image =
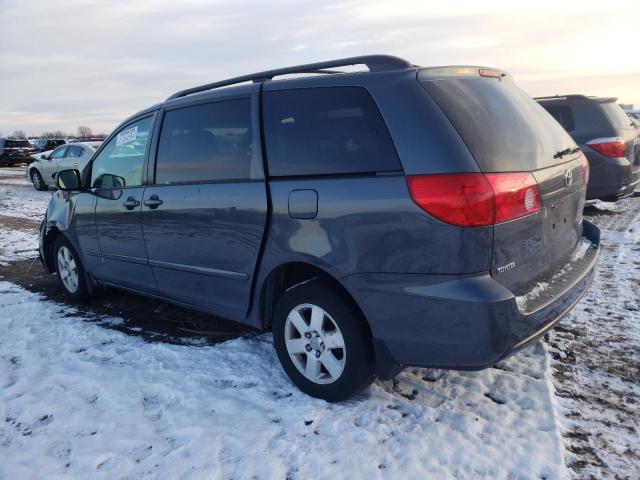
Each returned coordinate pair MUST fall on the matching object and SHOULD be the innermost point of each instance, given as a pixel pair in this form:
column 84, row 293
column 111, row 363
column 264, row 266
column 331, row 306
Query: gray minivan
column 372, row 220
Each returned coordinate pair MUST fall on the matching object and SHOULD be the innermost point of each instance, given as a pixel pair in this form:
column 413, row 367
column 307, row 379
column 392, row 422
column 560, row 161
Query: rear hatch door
column 507, row 131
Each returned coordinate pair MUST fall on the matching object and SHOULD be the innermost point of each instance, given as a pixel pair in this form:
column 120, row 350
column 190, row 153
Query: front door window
column 120, row 161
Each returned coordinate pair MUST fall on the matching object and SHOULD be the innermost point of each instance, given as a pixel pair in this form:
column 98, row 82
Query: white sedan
column 42, row 172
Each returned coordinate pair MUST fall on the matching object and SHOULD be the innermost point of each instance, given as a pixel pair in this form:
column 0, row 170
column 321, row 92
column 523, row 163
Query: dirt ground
column 169, row 323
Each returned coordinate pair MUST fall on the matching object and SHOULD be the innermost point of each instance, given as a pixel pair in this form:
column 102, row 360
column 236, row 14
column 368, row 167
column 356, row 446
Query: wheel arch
column 48, row 241
column 290, row 274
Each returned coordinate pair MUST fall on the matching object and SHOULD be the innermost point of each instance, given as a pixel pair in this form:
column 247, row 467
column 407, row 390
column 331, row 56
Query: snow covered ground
column 19, row 199
column 21, row 210
column 81, row 399
column 596, row 355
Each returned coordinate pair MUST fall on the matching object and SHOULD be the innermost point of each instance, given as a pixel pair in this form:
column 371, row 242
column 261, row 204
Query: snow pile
column 81, row 400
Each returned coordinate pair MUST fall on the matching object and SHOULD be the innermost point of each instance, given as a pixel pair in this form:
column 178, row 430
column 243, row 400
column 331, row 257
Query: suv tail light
column 476, row 199
column 609, row 147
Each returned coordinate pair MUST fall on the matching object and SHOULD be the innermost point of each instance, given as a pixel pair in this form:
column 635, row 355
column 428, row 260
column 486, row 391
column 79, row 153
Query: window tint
column 563, row 115
column 331, row 130
column 74, row 152
column 122, row 158
column 206, row 142
column 59, row 153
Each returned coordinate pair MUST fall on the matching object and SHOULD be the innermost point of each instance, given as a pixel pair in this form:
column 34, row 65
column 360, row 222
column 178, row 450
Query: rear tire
column 37, row 181
column 71, row 273
column 322, row 341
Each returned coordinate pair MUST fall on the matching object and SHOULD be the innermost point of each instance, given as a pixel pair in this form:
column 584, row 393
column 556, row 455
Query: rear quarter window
column 323, row 131
column 563, row 115
column 616, row 115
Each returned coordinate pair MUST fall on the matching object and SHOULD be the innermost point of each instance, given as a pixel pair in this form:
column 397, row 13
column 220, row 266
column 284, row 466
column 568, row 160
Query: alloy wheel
column 67, row 269
column 315, row 343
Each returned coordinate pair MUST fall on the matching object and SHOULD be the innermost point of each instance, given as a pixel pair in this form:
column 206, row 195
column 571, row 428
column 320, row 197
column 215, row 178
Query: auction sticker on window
column 126, row 136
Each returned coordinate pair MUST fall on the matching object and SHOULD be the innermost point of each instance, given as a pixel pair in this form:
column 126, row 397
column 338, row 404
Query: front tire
column 71, row 274
column 322, row 341
column 37, row 180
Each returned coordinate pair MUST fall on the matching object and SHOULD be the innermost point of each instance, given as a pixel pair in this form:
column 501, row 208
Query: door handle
column 131, row 203
column 153, row 201
column 76, row 164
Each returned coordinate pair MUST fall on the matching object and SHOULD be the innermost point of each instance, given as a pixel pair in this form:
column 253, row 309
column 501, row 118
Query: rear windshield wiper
column 566, row 151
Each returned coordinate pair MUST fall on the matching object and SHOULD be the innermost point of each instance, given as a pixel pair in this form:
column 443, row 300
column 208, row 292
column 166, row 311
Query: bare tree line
column 81, row 131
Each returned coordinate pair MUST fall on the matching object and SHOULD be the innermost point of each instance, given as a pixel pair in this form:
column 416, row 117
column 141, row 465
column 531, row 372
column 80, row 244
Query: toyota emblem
column 568, row 178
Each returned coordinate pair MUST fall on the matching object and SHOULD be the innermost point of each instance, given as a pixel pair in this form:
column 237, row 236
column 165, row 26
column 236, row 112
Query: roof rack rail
column 375, row 63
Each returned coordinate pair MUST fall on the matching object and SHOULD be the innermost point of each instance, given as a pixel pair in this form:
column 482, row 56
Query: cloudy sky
column 66, row 63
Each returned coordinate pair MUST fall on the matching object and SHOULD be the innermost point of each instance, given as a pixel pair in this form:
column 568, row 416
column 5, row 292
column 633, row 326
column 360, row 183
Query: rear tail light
column 516, row 195
column 476, row 199
column 585, row 169
column 609, row 147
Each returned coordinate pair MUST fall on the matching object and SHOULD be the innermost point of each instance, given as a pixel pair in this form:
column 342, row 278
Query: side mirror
column 69, row 180
column 44, row 157
column 107, row 180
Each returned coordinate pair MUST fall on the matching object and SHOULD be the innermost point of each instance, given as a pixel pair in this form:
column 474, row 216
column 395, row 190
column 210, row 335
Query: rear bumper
column 611, row 177
column 462, row 322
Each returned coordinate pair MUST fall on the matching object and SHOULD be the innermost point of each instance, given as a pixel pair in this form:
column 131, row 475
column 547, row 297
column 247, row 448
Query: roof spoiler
column 461, row 71
column 577, row 96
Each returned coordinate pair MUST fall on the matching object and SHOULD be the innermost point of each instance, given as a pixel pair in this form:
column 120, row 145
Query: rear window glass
column 563, row 114
column 616, row 115
column 320, row 131
column 206, row 143
column 503, row 127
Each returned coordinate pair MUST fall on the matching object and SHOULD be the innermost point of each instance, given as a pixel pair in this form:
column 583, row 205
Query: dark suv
column 371, row 220
column 606, row 136
column 14, row 151
column 46, row 144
